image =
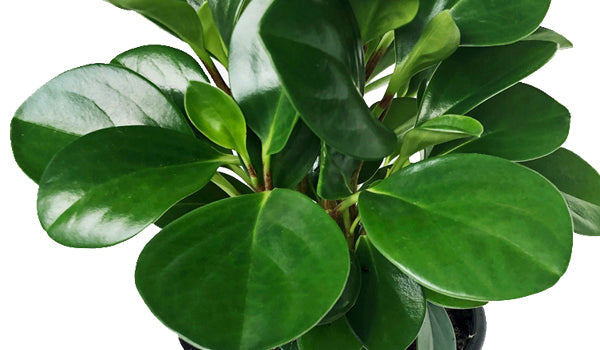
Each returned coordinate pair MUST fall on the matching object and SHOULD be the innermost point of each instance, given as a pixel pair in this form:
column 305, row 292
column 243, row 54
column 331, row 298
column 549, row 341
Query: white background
column 53, row 297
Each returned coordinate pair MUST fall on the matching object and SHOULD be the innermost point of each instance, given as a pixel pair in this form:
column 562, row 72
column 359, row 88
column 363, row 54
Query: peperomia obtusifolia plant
column 294, row 215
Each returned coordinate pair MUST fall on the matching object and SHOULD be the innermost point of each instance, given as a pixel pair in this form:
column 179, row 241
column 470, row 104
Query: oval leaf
column 450, row 302
column 213, row 42
column 500, row 226
column 437, row 332
column 579, row 184
column 472, row 75
column 376, row 18
column 83, row 100
column 109, row 185
column 255, row 85
column 299, row 36
column 337, row 335
column 247, row 264
column 168, row 68
column 519, row 124
column 390, row 308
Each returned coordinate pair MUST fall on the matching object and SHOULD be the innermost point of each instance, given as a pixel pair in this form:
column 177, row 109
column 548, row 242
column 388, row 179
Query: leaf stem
column 216, row 76
column 381, row 49
column 255, row 182
column 225, row 185
column 267, row 178
column 343, row 205
column 240, row 172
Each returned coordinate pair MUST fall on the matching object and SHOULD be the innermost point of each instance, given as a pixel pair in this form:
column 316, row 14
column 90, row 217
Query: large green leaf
column 168, row 68
column 450, row 302
column 390, row 308
column 109, row 185
column 226, row 13
column 346, row 301
column 519, row 124
column 334, row 336
column 255, row 85
column 437, row 332
column 501, row 227
column 579, row 183
column 249, row 272
column 299, row 37
column 474, row 74
column 376, row 18
column 83, row 100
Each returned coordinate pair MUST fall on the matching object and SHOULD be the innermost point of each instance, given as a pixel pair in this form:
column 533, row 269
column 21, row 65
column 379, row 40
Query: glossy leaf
column 213, row 42
column 299, row 36
column 376, row 18
column 335, row 174
column 216, row 115
column 83, row 100
column 450, row 302
column 437, row 332
column 336, row 335
column 472, row 75
column 290, row 346
column 226, row 13
column 519, row 124
column 168, row 68
column 545, row 34
column 109, row 185
column 255, row 85
column 348, row 298
column 488, row 220
column 208, row 194
column 390, row 308
column 263, row 268
column 579, row 183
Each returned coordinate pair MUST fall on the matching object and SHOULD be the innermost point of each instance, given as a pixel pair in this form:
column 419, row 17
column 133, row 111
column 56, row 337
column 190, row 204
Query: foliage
column 293, row 215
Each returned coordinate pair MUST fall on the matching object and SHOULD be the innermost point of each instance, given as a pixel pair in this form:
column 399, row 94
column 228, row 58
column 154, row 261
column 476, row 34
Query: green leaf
column 579, row 183
column 519, row 124
column 440, row 38
column 450, row 302
column 299, row 36
column 168, row 68
column 472, row 75
column 83, row 100
column 255, row 85
column 437, row 332
column 376, row 18
column 263, row 268
column 348, row 298
column 226, row 13
column 178, row 17
column 390, row 308
column 335, row 173
column 290, row 346
column 545, row 34
column 208, row 194
column 109, row 185
column 337, row 335
column 212, row 38
column 488, row 220
column 216, row 115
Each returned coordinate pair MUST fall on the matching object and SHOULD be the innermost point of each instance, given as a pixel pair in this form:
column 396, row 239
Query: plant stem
column 216, row 76
column 267, row 178
column 355, row 176
column 345, row 204
column 225, row 185
column 381, row 49
column 240, row 172
column 254, row 180
column 383, row 106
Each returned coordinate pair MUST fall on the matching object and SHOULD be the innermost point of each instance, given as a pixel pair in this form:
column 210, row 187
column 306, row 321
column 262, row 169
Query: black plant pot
column 469, row 326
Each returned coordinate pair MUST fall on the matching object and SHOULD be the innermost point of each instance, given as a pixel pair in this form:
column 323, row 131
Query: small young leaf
column 451, row 302
column 168, row 68
column 437, row 332
column 109, row 185
column 579, row 183
column 336, row 335
column 216, row 115
column 263, row 268
column 545, row 34
column 83, row 100
column 519, row 124
column 376, row 18
column 486, row 219
column 390, row 308
column 212, row 38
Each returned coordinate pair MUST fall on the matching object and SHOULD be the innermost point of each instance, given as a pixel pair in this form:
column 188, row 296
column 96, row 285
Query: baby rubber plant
column 294, row 215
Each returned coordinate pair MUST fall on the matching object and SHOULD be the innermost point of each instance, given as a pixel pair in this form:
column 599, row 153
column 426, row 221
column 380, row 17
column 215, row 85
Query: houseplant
column 329, row 184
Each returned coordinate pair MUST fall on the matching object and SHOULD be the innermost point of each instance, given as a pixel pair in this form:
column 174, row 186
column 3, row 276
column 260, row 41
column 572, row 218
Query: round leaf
column 337, row 335
column 109, row 185
column 83, row 100
column 501, row 227
column 249, row 272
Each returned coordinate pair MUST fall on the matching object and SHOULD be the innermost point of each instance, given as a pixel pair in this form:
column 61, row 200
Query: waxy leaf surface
column 299, row 36
column 579, row 183
column 437, row 332
column 390, row 308
column 109, row 185
column 474, row 74
column 451, row 302
column 263, row 268
column 226, row 13
column 255, row 84
column 486, row 219
column 519, row 124
column 213, row 42
column 168, row 68
column 376, row 18
column 335, row 173
column 336, row 335
column 349, row 295
column 83, row 100
column 545, row 34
